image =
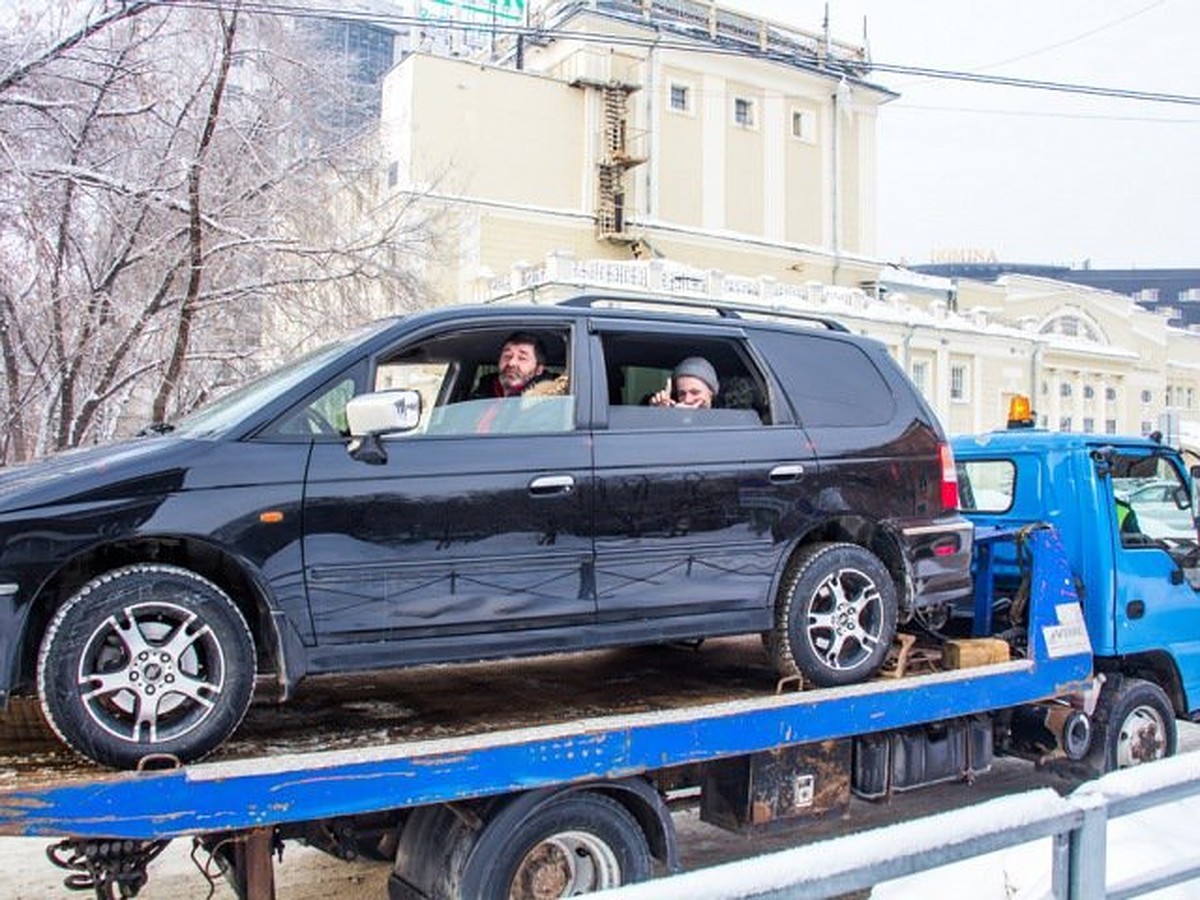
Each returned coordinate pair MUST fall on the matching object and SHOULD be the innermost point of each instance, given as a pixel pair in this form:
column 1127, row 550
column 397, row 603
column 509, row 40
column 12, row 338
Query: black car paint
column 690, row 536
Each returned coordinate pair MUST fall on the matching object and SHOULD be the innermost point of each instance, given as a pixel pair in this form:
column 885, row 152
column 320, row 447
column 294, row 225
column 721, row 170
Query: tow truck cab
column 1125, row 512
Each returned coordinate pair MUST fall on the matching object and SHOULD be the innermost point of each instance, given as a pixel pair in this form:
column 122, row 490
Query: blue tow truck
column 1079, row 648
column 1124, row 509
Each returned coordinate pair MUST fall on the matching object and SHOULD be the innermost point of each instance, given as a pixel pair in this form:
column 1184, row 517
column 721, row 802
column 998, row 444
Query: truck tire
column 575, row 842
column 1134, row 723
column 835, row 617
column 146, row 659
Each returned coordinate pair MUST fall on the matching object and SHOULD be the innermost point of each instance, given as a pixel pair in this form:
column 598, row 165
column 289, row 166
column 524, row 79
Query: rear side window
column 830, row 382
column 986, row 485
column 638, row 364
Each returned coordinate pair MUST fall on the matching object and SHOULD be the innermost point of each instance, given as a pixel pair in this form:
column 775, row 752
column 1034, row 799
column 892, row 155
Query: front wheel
column 146, row 659
column 835, row 617
column 1134, row 723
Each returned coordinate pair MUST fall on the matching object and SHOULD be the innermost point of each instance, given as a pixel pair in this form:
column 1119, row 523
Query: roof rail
column 722, row 309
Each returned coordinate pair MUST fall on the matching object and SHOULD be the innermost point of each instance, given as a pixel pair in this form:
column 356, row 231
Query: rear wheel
column 835, row 617
column 572, row 843
column 147, row 659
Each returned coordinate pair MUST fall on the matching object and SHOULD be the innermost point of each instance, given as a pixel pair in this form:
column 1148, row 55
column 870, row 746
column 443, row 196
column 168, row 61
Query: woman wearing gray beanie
column 693, row 383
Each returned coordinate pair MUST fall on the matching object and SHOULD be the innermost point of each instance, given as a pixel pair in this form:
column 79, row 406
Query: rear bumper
column 939, row 561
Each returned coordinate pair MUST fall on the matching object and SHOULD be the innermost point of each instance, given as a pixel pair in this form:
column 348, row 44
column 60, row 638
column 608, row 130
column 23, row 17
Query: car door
column 462, row 541
column 692, row 506
column 1157, row 586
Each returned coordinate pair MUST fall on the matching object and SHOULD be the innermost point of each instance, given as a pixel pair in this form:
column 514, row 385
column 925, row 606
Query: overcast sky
column 1031, row 176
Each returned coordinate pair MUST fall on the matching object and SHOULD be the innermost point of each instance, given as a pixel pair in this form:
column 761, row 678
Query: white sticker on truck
column 1069, row 637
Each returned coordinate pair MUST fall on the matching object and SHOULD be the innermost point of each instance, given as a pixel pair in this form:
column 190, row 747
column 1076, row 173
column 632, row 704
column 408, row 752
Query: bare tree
column 172, row 189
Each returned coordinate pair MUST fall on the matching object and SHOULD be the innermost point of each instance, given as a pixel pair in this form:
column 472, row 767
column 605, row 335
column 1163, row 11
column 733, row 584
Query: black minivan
column 374, row 504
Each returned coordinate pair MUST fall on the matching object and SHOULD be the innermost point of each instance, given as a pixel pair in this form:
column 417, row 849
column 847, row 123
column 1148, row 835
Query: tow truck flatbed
column 273, row 789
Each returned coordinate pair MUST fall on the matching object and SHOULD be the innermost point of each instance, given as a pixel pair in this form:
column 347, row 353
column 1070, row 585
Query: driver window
column 1153, row 502
column 458, row 377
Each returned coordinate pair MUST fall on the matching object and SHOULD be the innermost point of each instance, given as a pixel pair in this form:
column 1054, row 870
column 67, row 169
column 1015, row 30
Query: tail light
column 949, row 477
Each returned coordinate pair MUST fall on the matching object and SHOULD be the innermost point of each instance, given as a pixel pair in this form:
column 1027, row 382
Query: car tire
column 146, row 660
column 1134, row 723
column 835, row 617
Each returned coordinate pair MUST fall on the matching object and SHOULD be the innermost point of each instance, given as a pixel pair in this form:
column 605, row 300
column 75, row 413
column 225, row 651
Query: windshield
column 225, row 412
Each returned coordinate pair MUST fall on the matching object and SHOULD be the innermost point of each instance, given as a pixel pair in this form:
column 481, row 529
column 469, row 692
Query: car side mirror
column 370, row 416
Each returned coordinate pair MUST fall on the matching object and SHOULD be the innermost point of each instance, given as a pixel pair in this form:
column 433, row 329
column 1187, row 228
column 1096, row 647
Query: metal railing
column 1077, row 825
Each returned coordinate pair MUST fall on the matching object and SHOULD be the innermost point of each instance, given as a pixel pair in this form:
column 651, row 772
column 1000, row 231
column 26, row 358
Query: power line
column 1074, row 39
column 1153, row 120
column 1034, row 84
column 834, row 68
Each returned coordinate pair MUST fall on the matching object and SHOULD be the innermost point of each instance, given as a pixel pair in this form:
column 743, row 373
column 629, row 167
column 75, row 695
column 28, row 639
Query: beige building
column 673, row 146
column 646, row 144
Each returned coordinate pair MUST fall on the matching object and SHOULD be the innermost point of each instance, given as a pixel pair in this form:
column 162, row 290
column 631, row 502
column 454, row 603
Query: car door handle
column 546, row 485
column 785, row 473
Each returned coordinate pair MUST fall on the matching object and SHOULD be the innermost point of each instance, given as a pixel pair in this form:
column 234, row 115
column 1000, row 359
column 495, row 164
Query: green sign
column 510, row 12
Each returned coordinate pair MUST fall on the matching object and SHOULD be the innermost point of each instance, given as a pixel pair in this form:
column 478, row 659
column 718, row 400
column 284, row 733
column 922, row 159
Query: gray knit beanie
column 699, row 367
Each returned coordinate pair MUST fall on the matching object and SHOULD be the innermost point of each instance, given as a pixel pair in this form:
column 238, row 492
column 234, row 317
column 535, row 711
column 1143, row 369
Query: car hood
column 127, row 468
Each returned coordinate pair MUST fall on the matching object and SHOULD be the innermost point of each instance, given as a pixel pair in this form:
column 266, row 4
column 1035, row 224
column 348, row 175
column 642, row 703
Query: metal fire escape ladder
column 616, row 157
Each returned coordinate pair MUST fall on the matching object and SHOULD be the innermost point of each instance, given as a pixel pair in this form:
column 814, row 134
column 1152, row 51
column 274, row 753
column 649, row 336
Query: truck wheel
column 1134, row 723
column 147, row 659
column 576, row 842
column 835, row 617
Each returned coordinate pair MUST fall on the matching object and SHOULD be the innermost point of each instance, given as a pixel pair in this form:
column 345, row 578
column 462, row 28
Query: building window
column 1147, row 396
column 393, row 175
column 1191, row 398
column 743, row 112
column 958, row 382
column 1088, row 392
column 1064, row 389
column 681, row 98
column 1064, row 424
column 1110, row 426
column 804, row 125
column 1110, row 394
column 1089, row 424
column 920, row 376
column 1147, row 427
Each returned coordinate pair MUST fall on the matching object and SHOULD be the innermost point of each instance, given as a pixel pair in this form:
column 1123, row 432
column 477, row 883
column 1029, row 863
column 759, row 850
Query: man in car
column 521, row 365
column 693, row 384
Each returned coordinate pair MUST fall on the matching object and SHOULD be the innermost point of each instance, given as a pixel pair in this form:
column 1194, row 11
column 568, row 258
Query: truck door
column 1155, row 546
